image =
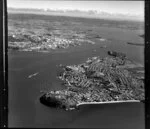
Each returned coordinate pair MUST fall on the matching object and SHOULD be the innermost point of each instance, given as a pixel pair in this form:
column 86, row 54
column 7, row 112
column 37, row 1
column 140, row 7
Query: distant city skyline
column 124, row 7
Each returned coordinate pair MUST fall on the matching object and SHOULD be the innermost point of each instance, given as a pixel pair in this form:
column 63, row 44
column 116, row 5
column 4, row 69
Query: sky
column 124, row 7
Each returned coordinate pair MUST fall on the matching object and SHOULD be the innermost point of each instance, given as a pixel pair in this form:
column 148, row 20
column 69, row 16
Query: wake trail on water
column 32, row 75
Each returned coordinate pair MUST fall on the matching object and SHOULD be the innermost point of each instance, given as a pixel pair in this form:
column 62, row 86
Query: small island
column 98, row 80
column 142, row 35
column 136, row 44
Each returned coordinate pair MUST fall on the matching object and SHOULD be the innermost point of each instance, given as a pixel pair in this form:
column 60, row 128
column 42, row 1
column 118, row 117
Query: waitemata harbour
column 75, row 61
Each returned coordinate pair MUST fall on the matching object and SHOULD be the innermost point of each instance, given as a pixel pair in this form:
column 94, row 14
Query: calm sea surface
column 25, row 110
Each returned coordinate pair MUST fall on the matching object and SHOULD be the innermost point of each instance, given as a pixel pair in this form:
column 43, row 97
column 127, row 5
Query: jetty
column 108, row 102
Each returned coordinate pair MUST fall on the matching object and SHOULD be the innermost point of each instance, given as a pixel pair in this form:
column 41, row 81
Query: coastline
column 45, row 114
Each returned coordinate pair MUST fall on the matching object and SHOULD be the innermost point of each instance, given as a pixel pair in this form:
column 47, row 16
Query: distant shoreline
column 74, row 16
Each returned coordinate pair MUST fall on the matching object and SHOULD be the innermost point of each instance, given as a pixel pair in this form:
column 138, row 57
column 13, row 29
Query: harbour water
column 25, row 110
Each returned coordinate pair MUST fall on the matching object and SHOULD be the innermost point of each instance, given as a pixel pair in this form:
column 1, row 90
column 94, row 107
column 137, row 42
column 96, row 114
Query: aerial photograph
column 76, row 64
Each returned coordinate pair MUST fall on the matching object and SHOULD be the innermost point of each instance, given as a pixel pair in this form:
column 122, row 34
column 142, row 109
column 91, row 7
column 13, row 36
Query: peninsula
column 98, row 80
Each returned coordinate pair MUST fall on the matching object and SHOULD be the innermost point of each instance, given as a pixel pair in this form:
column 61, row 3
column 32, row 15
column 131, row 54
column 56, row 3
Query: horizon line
column 57, row 9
